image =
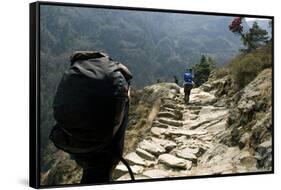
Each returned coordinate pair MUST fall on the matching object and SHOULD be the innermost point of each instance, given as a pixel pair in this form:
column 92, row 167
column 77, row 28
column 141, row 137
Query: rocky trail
column 184, row 140
column 216, row 133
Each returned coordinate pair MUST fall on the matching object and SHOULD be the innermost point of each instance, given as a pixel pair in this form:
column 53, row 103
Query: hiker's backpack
column 187, row 78
column 89, row 103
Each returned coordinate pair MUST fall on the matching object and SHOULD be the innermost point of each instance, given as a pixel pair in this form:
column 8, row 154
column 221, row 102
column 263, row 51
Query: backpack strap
column 124, row 162
column 125, row 71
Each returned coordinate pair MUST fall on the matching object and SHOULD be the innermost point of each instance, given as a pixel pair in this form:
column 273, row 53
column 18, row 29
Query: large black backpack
column 89, row 103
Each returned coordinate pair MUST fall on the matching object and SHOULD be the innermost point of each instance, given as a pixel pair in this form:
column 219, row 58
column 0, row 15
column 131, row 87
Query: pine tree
column 202, row 70
column 253, row 39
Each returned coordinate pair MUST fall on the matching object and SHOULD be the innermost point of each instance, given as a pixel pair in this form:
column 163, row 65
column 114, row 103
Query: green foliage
column 254, row 38
column 270, row 24
column 246, row 67
column 202, row 70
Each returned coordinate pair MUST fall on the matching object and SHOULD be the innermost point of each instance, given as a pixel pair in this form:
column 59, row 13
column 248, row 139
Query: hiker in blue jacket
column 187, row 84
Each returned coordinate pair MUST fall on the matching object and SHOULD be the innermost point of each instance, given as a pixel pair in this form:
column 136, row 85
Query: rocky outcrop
column 250, row 123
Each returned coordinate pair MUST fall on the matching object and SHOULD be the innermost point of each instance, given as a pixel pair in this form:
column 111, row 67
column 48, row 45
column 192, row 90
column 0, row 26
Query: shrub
column 221, row 72
column 246, row 67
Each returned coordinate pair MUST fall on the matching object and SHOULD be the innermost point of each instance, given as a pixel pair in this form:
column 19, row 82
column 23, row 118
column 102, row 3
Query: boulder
column 199, row 97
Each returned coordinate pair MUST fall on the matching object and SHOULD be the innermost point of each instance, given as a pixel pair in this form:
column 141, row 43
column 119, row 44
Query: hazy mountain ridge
column 153, row 45
column 139, row 40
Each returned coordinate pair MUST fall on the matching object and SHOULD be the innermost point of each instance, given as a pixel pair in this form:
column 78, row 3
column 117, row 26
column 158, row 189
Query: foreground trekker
column 187, row 84
column 91, row 110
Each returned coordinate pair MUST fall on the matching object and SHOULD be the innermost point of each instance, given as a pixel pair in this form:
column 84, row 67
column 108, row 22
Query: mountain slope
column 139, row 39
column 153, row 45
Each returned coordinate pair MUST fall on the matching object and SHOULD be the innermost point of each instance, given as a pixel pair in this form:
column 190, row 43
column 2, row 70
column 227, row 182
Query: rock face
column 250, row 123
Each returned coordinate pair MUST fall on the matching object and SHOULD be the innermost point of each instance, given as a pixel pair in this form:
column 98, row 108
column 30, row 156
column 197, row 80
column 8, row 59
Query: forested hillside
column 165, row 43
column 154, row 46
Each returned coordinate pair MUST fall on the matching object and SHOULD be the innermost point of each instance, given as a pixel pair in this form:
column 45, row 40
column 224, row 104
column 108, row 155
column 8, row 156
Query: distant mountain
column 154, row 46
column 166, row 43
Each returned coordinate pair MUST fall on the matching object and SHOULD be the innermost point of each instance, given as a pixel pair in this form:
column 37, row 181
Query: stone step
column 167, row 144
column 121, row 169
column 205, row 122
column 156, row 173
column 171, row 115
column 144, row 154
column 189, row 117
column 167, row 109
column 127, row 177
column 188, row 133
column 173, row 106
column 194, row 107
column 170, row 122
column 158, row 132
column 133, row 159
column 195, row 112
column 174, row 162
column 188, row 154
column 160, row 125
column 152, row 147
